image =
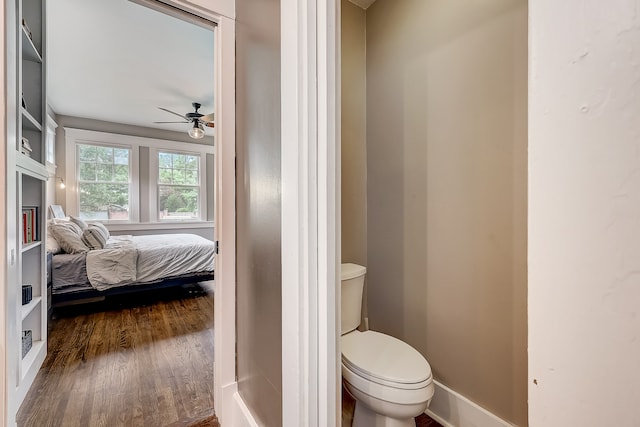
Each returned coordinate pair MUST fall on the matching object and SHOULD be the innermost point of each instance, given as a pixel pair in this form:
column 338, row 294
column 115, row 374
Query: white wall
column 584, row 213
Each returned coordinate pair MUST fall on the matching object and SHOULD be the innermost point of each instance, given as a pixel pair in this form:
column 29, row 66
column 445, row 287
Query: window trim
column 154, row 180
column 74, row 136
column 134, row 197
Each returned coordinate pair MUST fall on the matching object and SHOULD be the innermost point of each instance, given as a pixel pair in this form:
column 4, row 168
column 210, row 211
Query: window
column 125, row 179
column 104, row 182
column 178, row 186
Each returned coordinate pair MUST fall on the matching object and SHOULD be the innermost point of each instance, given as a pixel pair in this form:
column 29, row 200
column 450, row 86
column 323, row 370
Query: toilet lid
column 384, row 357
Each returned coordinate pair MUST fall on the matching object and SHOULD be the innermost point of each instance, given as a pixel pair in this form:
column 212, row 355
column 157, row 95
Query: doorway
column 219, row 172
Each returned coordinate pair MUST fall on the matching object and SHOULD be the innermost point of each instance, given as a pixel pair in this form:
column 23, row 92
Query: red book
column 24, row 227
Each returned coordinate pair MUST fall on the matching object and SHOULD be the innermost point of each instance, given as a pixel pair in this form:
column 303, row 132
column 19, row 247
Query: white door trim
column 310, row 253
column 225, row 201
column 225, row 205
column 222, row 13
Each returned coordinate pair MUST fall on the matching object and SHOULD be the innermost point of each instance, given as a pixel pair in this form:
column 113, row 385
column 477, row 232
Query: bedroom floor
column 134, row 363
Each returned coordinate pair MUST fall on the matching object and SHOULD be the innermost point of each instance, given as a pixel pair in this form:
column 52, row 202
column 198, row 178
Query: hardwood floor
column 133, row 363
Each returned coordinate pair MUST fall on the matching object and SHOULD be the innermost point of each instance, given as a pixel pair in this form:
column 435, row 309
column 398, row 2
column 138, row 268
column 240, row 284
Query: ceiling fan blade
column 209, row 124
column 207, row 117
column 171, row 122
column 173, row 112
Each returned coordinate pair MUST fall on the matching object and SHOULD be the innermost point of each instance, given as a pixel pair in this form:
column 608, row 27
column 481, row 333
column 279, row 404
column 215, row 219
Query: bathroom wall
column 354, row 129
column 258, row 211
column 447, row 190
column 584, row 233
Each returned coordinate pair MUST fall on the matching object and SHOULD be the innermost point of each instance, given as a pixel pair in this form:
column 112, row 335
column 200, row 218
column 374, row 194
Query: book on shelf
column 30, row 224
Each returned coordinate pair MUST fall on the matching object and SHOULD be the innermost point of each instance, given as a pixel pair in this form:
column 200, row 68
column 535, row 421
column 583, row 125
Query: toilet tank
column 352, row 278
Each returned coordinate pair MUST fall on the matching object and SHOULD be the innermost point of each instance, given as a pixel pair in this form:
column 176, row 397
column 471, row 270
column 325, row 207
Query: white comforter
column 139, row 259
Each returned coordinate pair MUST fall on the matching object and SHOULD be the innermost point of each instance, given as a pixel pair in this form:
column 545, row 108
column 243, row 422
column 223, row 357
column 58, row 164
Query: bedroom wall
column 258, row 212
column 122, row 129
column 447, row 190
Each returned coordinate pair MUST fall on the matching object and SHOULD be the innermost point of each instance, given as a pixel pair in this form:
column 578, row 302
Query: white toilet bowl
column 390, row 381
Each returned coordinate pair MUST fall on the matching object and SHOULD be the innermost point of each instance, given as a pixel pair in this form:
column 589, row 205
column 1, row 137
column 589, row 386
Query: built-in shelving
column 28, row 308
column 30, row 359
column 27, row 169
column 29, row 51
column 29, row 123
column 29, row 246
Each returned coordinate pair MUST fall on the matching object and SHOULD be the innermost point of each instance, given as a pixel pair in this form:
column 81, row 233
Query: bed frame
column 84, row 295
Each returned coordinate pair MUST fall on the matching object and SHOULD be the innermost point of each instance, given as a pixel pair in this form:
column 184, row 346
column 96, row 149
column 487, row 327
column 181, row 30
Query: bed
column 123, row 264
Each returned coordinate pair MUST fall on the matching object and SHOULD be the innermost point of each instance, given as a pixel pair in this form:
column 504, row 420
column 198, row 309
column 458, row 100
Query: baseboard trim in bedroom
column 451, row 409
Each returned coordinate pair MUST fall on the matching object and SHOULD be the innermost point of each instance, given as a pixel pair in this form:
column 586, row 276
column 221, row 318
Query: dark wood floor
column 133, row 363
column 348, row 407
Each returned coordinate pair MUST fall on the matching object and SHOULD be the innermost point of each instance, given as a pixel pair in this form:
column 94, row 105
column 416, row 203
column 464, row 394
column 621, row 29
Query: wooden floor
column 133, row 363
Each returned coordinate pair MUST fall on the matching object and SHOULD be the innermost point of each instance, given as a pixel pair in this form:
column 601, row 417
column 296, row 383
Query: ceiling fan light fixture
column 197, row 131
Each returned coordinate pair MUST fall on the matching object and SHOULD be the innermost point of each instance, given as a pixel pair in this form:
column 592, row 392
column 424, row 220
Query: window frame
column 154, row 175
column 139, row 179
column 134, row 206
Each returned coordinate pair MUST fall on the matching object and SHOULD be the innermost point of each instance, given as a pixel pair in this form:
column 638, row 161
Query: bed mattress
column 131, row 260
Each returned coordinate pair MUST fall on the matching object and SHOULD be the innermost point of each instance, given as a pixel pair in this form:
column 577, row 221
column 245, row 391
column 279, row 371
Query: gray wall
column 354, row 133
column 446, row 202
column 258, row 243
column 354, row 138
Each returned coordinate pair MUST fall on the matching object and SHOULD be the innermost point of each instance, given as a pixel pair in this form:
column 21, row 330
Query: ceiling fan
column 198, row 120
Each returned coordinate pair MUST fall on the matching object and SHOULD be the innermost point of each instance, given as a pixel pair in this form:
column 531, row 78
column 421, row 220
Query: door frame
column 310, row 82
column 222, row 13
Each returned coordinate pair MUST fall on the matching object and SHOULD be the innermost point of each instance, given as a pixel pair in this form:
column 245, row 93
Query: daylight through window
column 104, row 182
column 178, row 186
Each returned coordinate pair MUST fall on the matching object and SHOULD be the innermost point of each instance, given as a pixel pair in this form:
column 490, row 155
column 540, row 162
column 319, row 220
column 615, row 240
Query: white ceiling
column 117, row 61
column 363, row 3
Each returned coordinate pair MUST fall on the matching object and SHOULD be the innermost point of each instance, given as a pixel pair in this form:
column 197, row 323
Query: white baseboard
column 225, row 402
column 241, row 415
column 451, row 409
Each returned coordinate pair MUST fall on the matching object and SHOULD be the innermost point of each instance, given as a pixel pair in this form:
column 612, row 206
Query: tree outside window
column 178, row 186
column 104, row 182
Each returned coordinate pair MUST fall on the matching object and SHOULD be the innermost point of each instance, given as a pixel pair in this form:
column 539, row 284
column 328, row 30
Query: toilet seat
column 384, row 360
column 387, row 393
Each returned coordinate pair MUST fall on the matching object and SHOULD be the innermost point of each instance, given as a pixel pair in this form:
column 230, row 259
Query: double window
column 129, row 179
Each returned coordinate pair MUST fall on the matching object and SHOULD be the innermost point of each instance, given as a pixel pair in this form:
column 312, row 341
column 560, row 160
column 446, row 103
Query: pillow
column 102, row 227
column 68, row 237
column 79, row 222
column 94, row 238
column 52, row 244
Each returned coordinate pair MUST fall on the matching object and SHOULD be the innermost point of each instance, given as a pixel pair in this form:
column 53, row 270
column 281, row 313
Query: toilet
column 390, row 381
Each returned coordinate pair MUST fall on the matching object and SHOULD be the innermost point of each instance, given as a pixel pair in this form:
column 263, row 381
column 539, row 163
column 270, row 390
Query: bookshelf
column 27, row 173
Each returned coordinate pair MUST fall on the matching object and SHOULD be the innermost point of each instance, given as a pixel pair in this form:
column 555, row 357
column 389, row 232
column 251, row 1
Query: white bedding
column 138, row 259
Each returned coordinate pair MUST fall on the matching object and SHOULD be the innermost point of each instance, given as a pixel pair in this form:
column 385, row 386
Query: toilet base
column 365, row 417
